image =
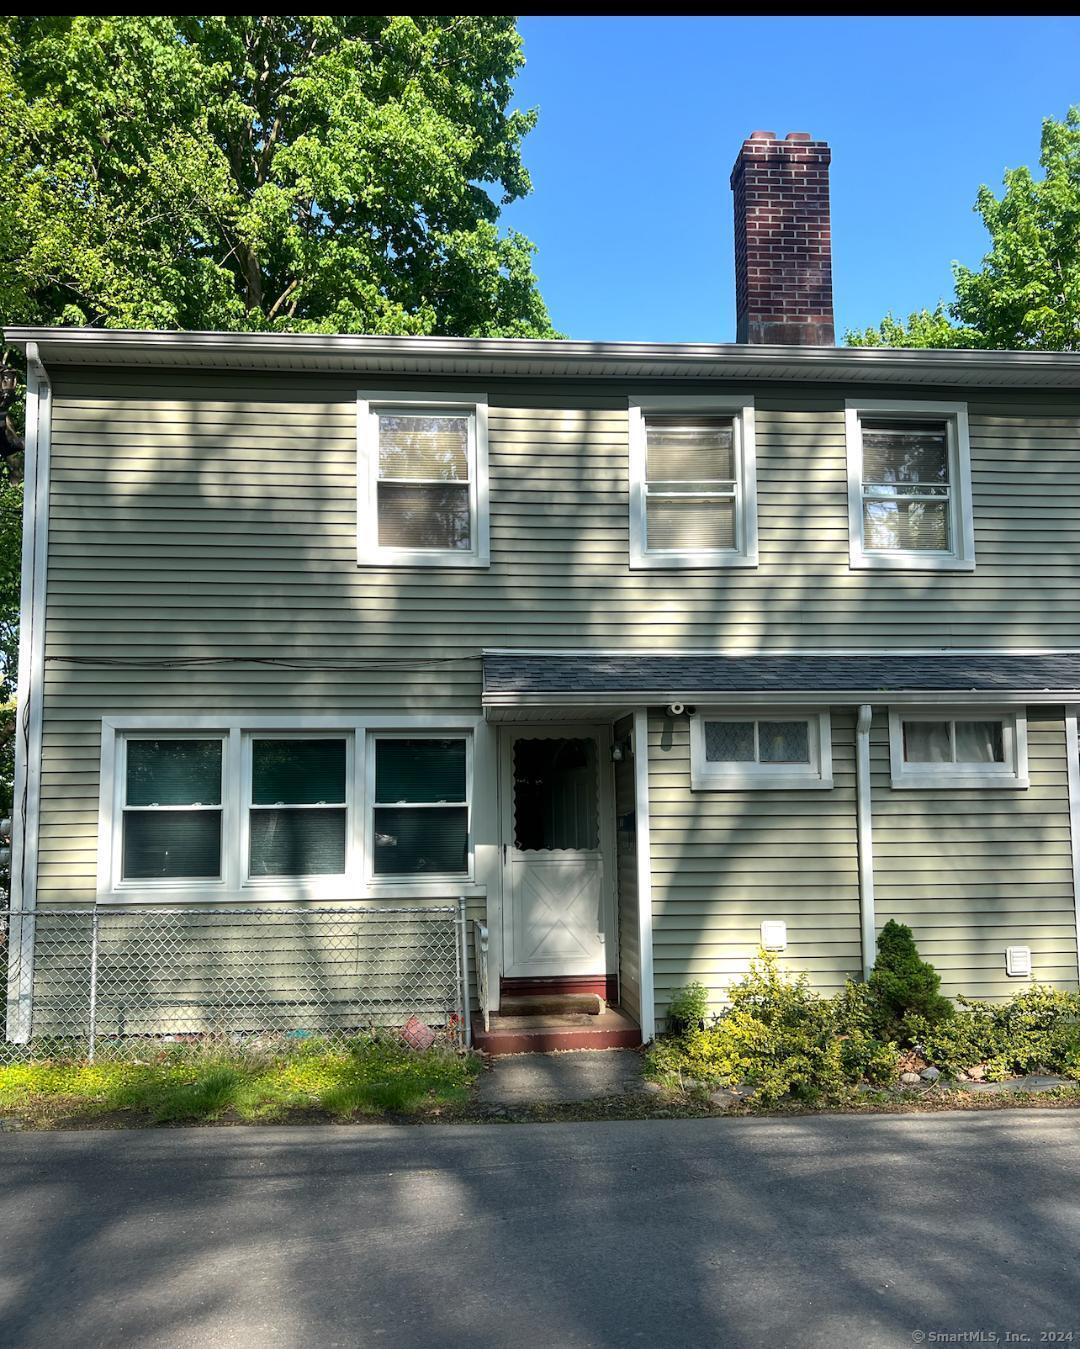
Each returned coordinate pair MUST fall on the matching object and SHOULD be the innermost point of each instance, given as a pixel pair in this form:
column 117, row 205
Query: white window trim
column 817, row 775
column 745, row 554
column 236, row 729
column 1012, row 773
column 369, row 403
column 115, row 840
column 369, row 807
column 962, row 528
column 330, row 881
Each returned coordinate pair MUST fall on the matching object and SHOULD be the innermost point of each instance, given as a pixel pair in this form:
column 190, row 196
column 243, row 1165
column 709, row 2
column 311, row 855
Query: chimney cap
column 762, row 136
column 798, row 136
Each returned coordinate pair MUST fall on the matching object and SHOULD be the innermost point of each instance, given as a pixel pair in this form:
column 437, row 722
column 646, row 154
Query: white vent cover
column 1018, row 962
column 774, row 935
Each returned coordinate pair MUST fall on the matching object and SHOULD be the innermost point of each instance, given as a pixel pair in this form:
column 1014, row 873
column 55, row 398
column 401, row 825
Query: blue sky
column 640, row 121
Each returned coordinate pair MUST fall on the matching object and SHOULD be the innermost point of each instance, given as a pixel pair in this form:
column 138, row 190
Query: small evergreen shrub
column 688, row 1008
column 903, row 988
column 778, row 1038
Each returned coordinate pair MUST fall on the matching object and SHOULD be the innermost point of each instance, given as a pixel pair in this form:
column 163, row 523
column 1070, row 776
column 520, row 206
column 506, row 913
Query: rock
column 930, row 1074
column 745, row 1090
column 652, row 1088
column 11, row 1125
column 976, row 1074
column 910, row 1079
column 724, row 1100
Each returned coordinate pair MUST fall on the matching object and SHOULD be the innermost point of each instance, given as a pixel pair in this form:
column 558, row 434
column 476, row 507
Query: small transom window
column 936, row 749
column 760, row 751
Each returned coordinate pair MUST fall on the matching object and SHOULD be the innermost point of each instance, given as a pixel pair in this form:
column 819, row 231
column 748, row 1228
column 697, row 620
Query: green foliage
column 688, row 1007
column 902, row 986
column 308, row 173
column 1037, row 1029
column 925, row 328
column 779, row 1038
column 374, row 1075
column 1026, row 294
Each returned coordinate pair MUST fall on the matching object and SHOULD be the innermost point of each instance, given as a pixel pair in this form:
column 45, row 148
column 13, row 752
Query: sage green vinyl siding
column 974, row 871
column 724, row 861
column 214, row 514
column 626, row 874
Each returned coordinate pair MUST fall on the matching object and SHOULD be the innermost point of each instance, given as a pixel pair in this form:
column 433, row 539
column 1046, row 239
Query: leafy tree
column 1027, row 292
column 307, row 173
column 303, row 173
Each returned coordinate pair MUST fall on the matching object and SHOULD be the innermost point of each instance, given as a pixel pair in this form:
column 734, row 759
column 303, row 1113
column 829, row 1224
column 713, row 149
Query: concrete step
column 610, row 1029
column 551, row 1004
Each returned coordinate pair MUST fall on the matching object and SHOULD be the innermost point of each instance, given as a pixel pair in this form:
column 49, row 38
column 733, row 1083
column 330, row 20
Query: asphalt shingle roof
column 508, row 673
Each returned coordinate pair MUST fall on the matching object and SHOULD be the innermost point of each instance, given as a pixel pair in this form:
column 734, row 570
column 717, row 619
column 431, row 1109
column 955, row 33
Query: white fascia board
column 515, row 356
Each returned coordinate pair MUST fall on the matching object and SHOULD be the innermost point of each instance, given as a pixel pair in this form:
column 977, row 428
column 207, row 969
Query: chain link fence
column 108, row 982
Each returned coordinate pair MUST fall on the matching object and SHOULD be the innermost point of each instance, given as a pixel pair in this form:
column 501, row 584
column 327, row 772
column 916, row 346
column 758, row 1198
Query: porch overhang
column 529, row 685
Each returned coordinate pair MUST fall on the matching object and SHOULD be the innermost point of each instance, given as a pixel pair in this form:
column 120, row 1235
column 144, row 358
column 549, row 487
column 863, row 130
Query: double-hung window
column 774, row 749
column 909, row 486
column 420, row 805
column 170, row 826
column 422, row 480
column 298, row 806
column 971, row 748
column 302, row 808
column 692, row 483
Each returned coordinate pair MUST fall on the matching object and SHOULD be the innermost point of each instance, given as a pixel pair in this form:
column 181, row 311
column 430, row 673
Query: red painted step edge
column 498, row 1042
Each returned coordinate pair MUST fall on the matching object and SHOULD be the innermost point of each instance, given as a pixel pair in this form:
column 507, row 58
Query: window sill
column 691, row 561
column 446, row 561
column 755, row 782
column 909, row 562
column 945, row 781
column 283, row 894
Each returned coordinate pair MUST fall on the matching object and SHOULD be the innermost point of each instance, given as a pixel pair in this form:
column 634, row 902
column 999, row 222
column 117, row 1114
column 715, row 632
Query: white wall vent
column 774, row 934
column 1018, row 962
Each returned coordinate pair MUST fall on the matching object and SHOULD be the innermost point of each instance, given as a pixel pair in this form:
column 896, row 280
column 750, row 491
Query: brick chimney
column 783, row 249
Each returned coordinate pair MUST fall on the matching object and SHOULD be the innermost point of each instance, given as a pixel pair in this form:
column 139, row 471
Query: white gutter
column 493, row 703
column 496, row 356
column 644, row 873
column 865, row 834
column 28, row 735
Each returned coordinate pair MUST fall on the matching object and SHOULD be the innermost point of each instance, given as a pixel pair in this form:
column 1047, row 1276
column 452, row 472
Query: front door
column 556, row 834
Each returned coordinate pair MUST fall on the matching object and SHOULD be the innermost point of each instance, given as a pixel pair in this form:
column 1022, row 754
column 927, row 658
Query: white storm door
column 556, row 834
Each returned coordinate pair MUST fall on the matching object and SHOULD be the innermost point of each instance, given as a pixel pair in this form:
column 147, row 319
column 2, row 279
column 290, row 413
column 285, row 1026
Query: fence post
column 92, row 1036
column 463, row 973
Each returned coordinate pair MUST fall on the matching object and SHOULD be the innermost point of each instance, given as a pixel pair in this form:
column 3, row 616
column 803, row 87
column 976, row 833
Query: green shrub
column 1038, row 1028
column 778, row 1038
column 902, row 987
column 688, row 1008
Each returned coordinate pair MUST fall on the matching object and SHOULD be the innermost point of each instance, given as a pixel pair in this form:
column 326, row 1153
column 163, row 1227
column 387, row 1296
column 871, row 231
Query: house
column 653, row 654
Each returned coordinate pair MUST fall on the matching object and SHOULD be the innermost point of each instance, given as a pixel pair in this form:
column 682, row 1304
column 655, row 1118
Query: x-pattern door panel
column 556, row 790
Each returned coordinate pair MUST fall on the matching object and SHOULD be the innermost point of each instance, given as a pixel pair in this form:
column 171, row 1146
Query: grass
column 371, row 1076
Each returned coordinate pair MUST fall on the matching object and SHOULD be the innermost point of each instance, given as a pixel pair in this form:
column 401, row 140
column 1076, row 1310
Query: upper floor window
column 422, row 480
column 909, row 486
column 692, row 483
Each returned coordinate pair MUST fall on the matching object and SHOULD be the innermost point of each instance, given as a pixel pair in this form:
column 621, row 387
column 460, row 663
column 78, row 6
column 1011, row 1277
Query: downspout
column 28, row 731
column 644, row 873
column 865, row 834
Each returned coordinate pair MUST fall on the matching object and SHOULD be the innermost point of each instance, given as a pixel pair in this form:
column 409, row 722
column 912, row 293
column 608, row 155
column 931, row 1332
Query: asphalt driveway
column 831, row 1231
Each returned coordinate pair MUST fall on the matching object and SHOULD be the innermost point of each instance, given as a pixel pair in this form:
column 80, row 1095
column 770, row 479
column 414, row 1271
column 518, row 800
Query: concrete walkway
column 552, row 1079
column 857, row 1232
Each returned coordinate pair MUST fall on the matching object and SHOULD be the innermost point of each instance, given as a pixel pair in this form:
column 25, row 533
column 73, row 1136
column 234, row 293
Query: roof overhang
column 581, row 686
column 523, row 358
